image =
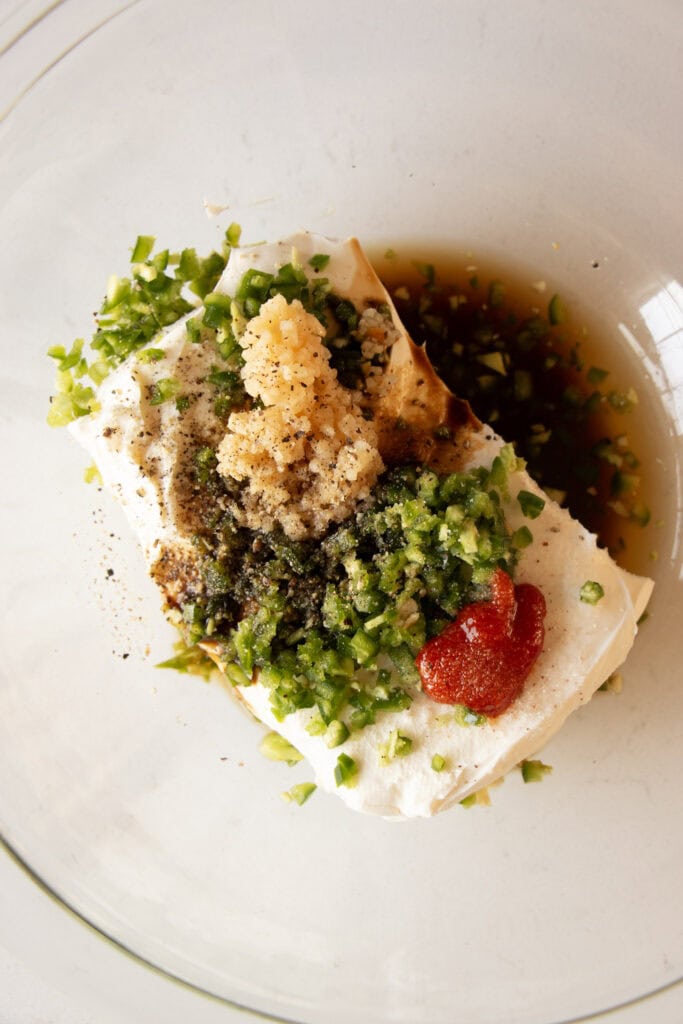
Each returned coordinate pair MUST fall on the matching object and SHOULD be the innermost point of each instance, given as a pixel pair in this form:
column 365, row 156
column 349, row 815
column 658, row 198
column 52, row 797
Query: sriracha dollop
column 483, row 658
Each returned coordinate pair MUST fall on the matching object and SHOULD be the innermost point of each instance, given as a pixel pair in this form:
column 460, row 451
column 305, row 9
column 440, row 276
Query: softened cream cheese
column 137, row 447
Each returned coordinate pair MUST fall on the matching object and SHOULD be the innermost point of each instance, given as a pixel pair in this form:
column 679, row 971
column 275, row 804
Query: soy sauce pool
column 535, row 370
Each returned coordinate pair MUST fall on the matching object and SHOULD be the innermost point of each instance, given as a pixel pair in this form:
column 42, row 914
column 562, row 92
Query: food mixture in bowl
column 373, row 568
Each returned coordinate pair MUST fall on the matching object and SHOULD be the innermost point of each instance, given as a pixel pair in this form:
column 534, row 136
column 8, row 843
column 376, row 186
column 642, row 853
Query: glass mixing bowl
column 534, row 134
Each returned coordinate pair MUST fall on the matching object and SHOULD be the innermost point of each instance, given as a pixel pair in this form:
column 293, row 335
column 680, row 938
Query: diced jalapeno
column 591, row 592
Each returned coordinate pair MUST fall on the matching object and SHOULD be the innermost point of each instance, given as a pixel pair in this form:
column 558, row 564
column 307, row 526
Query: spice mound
column 306, row 452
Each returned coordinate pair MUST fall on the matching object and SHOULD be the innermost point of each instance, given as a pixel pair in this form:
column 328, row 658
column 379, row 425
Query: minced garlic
column 308, row 456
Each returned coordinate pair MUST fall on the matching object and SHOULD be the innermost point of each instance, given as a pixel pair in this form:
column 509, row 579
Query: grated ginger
column 308, row 456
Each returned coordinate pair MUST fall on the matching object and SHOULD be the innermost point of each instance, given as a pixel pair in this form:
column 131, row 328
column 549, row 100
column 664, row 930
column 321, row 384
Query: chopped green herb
column 92, row 475
column 479, row 799
column 189, row 264
column 194, row 330
column 426, row 270
column 624, row 483
column 276, row 748
column 510, row 459
column 396, row 745
column 217, row 310
column 557, row 313
column 299, row 793
column 496, row 294
column 163, row 390
column 67, row 360
column 464, row 716
column 556, row 495
column 73, row 400
column 150, row 355
column 142, row 248
column 613, row 684
column 336, row 733
column 493, row 361
column 623, row 402
column 319, row 261
column 438, row 763
column 191, row 659
column 591, row 592
column 133, row 312
column 346, row 313
column 316, row 726
column 534, row 771
column 640, row 514
column 530, row 504
column 596, row 375
column 523, row 384
column 572, row 396
column 233, row 234
column 235, row 674
column 522, row 537
column 346, row 771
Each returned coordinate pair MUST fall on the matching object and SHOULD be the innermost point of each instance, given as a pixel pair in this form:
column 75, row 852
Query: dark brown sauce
column 530, row 368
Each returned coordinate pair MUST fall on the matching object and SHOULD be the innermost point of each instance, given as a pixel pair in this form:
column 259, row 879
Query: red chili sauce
column 483, row 658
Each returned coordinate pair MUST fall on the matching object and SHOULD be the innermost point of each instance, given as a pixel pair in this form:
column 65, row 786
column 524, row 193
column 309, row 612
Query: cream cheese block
column 138, row 450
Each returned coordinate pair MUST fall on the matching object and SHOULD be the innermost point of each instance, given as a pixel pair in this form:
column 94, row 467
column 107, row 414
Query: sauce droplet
column 484, row 657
